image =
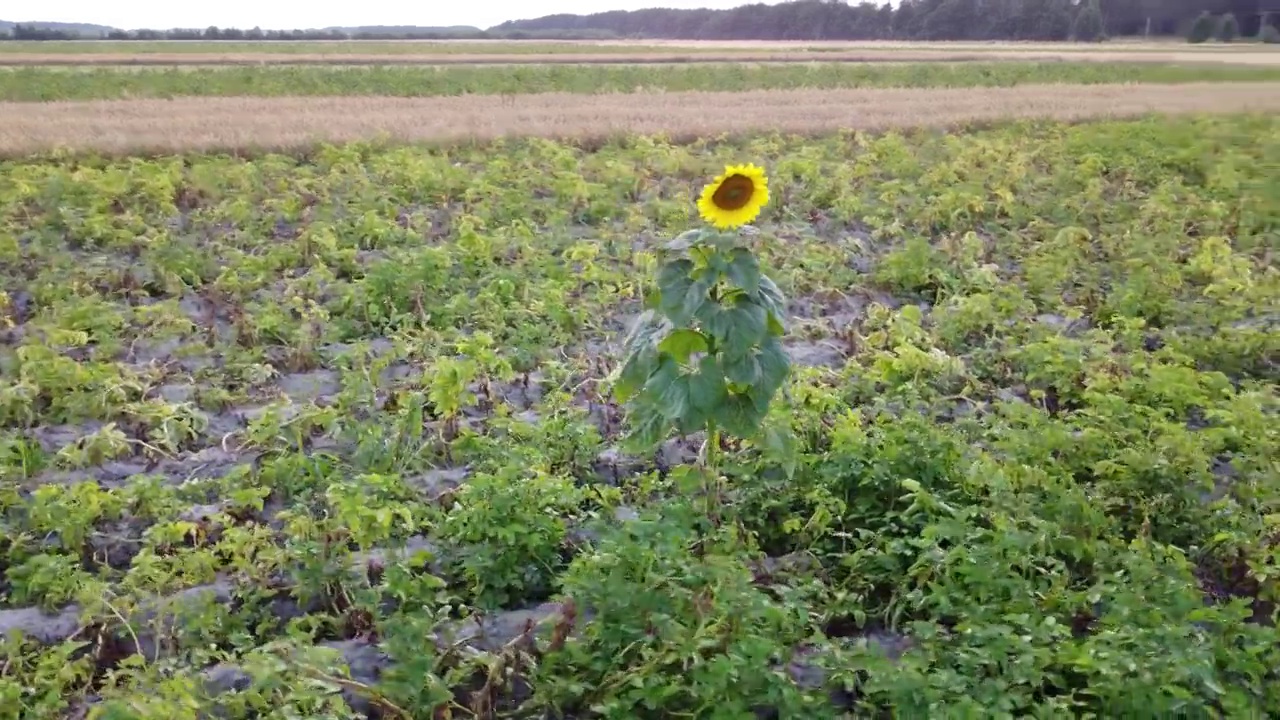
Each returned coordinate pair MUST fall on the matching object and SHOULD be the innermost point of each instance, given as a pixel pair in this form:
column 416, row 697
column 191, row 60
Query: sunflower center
column 734, row 193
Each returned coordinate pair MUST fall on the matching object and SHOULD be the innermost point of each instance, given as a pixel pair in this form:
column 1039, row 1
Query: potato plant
column 336, row 434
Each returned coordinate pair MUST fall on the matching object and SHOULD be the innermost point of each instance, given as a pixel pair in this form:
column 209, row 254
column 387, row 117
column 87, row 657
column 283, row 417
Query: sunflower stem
column 711, row 473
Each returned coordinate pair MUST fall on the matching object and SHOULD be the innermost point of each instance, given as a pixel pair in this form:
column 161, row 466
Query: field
column 307, row 394
column 30, row 84
column 444, row 52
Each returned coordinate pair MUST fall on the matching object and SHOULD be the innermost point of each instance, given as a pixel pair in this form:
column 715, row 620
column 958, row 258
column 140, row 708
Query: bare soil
column 240, row 123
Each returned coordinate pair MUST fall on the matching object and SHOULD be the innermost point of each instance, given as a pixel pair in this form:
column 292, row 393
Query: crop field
column 332, row 434
column 33, row 84
column 320, row 47
column 314, row 387
column 1259, row 57
column 235, row 124
column 418, row 53
column 592, row 47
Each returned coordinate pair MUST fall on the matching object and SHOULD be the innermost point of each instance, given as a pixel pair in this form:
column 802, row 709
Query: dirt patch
column 816, row 354
column 309, row 386
column 42, row 627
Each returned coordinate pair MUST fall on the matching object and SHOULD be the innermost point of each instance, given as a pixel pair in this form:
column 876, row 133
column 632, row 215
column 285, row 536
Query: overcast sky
column 274, row 14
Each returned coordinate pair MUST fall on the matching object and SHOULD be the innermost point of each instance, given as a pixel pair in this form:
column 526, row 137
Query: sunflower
column 735, row 198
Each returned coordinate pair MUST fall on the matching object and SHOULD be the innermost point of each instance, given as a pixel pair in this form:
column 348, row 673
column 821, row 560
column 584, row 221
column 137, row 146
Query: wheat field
column 238, row 123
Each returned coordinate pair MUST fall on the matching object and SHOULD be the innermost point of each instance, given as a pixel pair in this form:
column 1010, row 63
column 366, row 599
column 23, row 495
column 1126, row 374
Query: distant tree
column 799, row 20
column 1088, row 26
column 1269, row 34
column 1228, row 28
column 1202, row 29
column 33, row 32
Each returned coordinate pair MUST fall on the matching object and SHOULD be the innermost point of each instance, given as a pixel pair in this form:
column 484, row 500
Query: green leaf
column 674, row 286
column 646, row 331
column 742, row 369
column 641, row 358
column 740, row 416
column 682, row 343
column 735, row 330
column 673, row 403
column 776, row 326
column 707, row 388
column 675, row 273
column 646, row 429
column 685, row 240
column 760, row 398
column 744, row 271
column 748, row 324
column 669, row 389
column 653, row 299
column 715, row 321
column 772, row 298
column 695, row 297
column 682, row 293
column 780, row 445
column 774, row 365
column 635, row 371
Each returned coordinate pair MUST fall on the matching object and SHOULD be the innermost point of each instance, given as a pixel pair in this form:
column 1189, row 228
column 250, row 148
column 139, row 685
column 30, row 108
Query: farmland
column 307, row 392
column 496, row 52
column 29, row 84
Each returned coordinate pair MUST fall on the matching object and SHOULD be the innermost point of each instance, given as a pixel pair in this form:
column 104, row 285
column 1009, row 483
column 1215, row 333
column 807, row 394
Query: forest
column 909, row 20
column 797, row 20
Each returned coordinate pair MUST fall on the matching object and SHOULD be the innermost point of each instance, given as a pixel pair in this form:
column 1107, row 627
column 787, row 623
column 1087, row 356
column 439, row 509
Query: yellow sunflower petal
column 735, row 197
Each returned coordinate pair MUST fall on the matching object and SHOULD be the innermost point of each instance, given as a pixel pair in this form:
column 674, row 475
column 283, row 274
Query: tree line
column 803, row 20
column 22, row 31
column 917, row 20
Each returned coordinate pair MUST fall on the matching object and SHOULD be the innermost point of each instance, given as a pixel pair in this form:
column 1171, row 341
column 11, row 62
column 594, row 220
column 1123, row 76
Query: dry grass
column 225, row 123
column 918, row 52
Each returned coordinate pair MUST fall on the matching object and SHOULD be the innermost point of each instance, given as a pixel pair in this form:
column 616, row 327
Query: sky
column 277, row 15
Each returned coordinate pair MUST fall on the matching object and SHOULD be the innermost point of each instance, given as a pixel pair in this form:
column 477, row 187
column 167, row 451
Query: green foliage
column 818, row 19
column 508, row 532
column 1269, row 34
column 1228, row 28
column 334, row 435
column 675, row 629
column 707, row 353
column 29, row 84
column 797, row 20
column 1203, row 28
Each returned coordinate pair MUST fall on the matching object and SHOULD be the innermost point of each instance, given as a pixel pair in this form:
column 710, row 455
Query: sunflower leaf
column 744, row 271
column 774, row 365
column 685, row 240
column 669, row 389
column 694, row 298
column 646, row 331
column 743, row 371
column 647, row 429
column 674, row 274
column 707, row 389
column 635, row 371
column 748, row 324
column 682, row 343
column 740, row 416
